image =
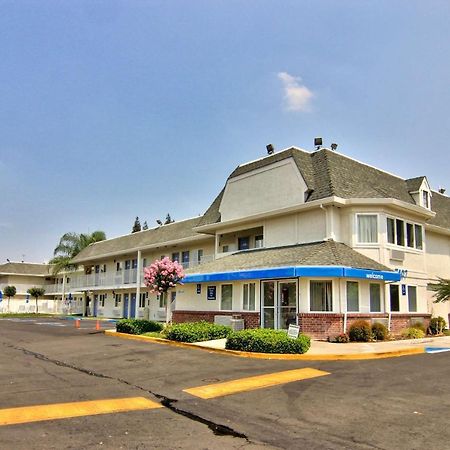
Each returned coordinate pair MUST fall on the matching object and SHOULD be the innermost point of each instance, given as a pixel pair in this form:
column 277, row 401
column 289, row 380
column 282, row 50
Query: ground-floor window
column 412, row 298
column 226, row 299
column 352, row 296
column 162, row 300
column 321, row 295
column 375, row 297
column 395, row 297
column 142, row 299
column 117, row 300
column 249, row 296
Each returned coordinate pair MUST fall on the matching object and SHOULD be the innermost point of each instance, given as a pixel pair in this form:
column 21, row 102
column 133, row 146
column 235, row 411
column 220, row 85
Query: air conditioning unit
column 237, row 324
column 397, row 255
column 223, row 320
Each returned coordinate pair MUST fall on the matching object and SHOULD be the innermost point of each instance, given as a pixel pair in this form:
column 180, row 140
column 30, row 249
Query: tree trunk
column 9, row 298
column 37, row 310
column 167, row 307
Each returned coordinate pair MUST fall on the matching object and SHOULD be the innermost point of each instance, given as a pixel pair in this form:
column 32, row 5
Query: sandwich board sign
column 293, row 331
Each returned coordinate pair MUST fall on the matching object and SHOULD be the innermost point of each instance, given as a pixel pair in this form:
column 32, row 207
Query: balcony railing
column 117, row 279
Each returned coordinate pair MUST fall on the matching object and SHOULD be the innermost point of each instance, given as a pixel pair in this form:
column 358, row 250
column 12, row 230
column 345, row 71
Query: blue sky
column 112, row 109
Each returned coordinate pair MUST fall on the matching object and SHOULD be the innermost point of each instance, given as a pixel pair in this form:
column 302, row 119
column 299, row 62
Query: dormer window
column 426, row 199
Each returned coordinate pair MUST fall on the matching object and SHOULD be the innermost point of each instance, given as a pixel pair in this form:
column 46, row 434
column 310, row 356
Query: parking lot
column 114, row 393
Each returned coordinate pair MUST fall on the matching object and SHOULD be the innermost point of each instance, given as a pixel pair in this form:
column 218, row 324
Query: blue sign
column 199, row 288
column 211, row 292
column 403, row 289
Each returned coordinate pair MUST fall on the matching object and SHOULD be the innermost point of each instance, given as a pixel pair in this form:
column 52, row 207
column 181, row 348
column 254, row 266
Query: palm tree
column 442, row 290
column 69, row 246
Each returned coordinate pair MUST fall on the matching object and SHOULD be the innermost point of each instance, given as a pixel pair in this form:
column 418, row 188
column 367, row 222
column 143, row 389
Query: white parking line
column 51, row 324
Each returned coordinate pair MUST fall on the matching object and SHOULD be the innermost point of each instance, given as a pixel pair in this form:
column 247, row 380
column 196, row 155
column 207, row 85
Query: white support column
column 138, row 282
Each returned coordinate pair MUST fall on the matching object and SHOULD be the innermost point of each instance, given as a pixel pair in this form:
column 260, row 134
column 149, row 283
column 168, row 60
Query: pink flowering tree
column 161, row 276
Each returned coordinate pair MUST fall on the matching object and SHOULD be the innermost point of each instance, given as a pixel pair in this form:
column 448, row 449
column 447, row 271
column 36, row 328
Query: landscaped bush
column 379, row 331
column 360, row 331
column 412, row 333
column 340, row 338
column 419, row 326
column 137, row 326
column 437, row 325
column 267, row 341
column 196, row 332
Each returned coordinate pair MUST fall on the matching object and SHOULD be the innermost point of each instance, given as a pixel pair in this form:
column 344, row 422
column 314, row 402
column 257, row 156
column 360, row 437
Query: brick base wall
column 322, row 326
column 251, row 319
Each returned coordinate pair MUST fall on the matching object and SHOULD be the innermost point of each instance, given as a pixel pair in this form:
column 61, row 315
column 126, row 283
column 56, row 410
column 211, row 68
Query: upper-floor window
column 199, row 255
column 185, row 257
column 405, row 234
column 367, row 228
column 426, row 199
column 244, row 243
column 259, row 241
column 176, row 256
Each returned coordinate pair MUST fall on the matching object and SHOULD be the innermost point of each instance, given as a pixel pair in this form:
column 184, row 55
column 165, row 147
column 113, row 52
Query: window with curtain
column 418, row 235
column 249, row 297
column 321, row 296
column 412, row 298
column 367, row 228
column 226, row 299
column 375, row 297
column 352, row 296
column 391, row 230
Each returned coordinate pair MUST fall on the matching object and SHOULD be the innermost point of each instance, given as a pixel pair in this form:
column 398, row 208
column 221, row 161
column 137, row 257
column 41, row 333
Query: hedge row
column 196, row 332
column 137, row 326
column 267, row 341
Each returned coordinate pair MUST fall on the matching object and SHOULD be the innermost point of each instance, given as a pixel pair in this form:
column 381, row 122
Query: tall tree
column 442, row 290
column 69, row 246
column 36, row 292
column 9, row 291
column 136, row 226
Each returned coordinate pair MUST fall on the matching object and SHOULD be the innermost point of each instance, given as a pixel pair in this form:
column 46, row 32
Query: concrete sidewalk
column 356, row 348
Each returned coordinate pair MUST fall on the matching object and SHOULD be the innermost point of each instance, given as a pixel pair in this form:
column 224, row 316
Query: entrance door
column 279, row 304
column 95, row 305
column 125, row 305
column 133, row 306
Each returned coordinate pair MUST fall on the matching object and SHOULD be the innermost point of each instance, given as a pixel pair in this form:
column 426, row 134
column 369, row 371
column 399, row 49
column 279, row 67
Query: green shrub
column 196, row 332
column 412, row 333
column 340, row 338
column 379, row 331
column 419, row 326
column 437, row 325
column 267, row 341
column 360, row 331
column 137, row 326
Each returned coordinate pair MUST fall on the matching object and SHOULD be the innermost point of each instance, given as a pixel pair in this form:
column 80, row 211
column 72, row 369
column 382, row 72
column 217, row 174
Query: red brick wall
column 251, row 319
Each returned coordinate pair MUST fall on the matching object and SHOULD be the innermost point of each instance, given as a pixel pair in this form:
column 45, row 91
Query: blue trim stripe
column 293, row 272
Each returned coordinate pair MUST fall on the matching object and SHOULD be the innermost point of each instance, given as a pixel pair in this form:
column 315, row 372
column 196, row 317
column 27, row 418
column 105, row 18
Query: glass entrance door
column 279, row 304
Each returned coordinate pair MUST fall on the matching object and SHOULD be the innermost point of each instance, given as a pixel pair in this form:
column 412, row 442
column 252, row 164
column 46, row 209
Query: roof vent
column 441, row 190
column 334, row 146
column 270, row 149
column 318, row 142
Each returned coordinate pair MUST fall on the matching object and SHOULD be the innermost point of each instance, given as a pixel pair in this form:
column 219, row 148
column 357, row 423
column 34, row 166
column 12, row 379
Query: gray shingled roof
column 328, row 174
column 324, row 253
column 413, row 184
column 25, row 269
column 164, row 233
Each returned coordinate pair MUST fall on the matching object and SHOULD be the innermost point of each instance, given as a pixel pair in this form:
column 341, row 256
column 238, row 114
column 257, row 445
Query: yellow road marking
column 252, row 383
column 12, row 416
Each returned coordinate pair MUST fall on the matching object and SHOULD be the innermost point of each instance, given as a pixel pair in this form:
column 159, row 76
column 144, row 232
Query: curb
column 273, row 356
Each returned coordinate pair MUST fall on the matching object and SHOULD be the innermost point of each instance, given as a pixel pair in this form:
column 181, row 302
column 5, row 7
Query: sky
column 115, row 109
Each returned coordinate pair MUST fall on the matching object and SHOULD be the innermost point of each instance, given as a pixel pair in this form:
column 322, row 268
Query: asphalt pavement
column 395, row 403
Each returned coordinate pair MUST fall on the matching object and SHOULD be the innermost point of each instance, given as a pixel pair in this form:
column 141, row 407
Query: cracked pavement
column 393, row 403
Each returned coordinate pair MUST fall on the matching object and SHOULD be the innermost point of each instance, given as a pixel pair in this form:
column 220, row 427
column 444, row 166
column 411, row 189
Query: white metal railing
column 113, row 279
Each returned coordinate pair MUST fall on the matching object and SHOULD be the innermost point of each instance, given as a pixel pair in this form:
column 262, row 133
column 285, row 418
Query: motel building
column 312, row 238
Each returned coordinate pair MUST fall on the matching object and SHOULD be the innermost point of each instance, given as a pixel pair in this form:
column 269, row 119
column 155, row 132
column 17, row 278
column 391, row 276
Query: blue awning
column 293, row 272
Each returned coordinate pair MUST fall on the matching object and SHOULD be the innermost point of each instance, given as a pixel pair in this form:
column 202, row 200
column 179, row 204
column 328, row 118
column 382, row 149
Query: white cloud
column 297, row 96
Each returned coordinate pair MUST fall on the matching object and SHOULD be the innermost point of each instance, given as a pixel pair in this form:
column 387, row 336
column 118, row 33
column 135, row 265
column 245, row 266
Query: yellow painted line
column 26, row 414
column 253, row 383
column 277, row 356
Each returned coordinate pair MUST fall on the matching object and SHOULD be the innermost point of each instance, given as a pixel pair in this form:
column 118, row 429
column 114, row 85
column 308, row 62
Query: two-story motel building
column 317, row 239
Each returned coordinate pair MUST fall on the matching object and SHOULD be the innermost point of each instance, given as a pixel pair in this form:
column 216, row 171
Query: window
column 352, row 296
column 118, row 266
column 176, row 256
column 418, row 235
column 173, row 296
column 243, row 243
column 134, row 264
column 375, row 297
column 199, row 255
column 104, row 268
column 117, row 300
column 426, row 199
column 391, row 230
column 142, row 298
column 400, row 232
column 225, row 249
column 144, row 262
column 259, row 241
column 367, row 228
column 102, row 298
column 185, row 258
column 410, row 235
column 162, row 300
column 249, row 296
column 226, row 299
column 412, row 298
column 321, row 296
column 395, row 297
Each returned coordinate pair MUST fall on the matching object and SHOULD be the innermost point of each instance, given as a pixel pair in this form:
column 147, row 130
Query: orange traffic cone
column 97, row 325
column 77, row 323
